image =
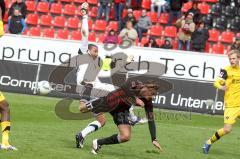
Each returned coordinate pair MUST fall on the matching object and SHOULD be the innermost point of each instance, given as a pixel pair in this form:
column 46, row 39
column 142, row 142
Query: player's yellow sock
column 5, row 133
column 216, row 136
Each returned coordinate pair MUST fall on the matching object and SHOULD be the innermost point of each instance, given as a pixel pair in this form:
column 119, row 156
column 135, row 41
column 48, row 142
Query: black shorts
column 121, row 117
column 99, row 105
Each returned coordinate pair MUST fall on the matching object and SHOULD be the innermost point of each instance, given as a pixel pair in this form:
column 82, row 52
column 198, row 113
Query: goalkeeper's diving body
column 88, row 79
column 228, row 81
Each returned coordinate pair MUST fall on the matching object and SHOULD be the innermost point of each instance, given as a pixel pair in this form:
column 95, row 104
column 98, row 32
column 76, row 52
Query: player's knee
column 101, row 119
column 4, row 106
column 82, row 107
column 125, row 137
column 227, row 130
column 102, row 122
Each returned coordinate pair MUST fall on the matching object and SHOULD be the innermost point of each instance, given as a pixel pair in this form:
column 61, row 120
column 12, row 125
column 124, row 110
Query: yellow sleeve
column 219, row 82
column 221, row 79
column 1, row 28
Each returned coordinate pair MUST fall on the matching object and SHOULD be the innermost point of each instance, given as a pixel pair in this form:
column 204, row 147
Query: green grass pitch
column 39, row 134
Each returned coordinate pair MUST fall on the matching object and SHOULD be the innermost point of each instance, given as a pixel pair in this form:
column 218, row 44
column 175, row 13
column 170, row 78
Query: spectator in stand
column 128, row 17
column 175, row 9
column 151, row 43
column 167, row 44
column 162, row 5
column 144, row 23
column 236, row 44
column 16, row 24
column 196, row 12
column 187, row 27
column 104, row 5
column 20, row 5
column 199, row 38
column 111, row 38
column 128, row 34
column 118, row 8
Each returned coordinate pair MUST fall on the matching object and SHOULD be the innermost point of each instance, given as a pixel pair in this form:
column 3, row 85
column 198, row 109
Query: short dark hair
column 129, row 21
column 152, row 84
column 90, row 46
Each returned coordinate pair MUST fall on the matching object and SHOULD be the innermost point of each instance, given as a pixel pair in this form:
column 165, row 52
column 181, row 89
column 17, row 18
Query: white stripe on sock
column 89, row 129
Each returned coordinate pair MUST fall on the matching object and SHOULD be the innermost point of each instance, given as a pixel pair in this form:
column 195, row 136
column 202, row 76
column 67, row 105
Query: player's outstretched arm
column 151, row 123
column 84, row 28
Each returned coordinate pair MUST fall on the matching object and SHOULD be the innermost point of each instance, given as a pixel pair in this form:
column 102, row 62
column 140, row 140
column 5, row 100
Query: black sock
column 109, row 140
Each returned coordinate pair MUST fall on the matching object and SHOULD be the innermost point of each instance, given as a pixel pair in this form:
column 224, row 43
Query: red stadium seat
column 5, row 27
column 48, row 32
column 170, row 31
column 66, row 1
column 92, row 36
column 153, row 16
column 156, row 30
column 5, row 18
column 113, row 25
column 43, row 7
column 7, row 4
column 62, row 34
column 207, row 47
column 59, row 21
column 160, row 42
column 93, row 2
column 218, row 48
column 204, row 8
column 32, row 19
column 35, row 31
column 56, row 8
column 31, row 7
column 144, row 41
column 146, row 4
column 73, row 23
column 163, row 18
column 79, row 1
column 25, row 32
column 211, row 1
column 101, row 38
column 93, row 12
column 213, row 35
column 69, row 9
column 111, row 14
column 175, row 44
column 46, row 20
column 124, row 13
column 137, row 14
column 186, row 6
column 227, row 37
column 100, row 25
column 76, row 35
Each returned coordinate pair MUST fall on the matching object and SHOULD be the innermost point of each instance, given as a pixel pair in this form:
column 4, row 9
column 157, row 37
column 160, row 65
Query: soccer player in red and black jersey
column 117, row 103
